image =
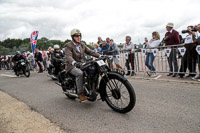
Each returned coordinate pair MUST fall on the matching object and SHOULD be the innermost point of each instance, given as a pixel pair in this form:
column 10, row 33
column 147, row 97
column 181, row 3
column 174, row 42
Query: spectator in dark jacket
column 198, row 55
column 172, row 38
column 190, row 56
column 39, row 60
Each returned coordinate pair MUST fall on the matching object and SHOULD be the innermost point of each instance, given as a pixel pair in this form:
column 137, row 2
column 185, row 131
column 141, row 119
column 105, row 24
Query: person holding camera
column 145, row 42
column 198, row 56
column 153, row 43
column 172, row 38
column 189, row 59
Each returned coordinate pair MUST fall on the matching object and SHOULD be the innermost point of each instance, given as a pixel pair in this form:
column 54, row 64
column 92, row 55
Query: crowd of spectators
column 108, row 47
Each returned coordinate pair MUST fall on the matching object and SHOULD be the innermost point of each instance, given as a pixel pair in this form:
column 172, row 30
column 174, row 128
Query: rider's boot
column 82, row 97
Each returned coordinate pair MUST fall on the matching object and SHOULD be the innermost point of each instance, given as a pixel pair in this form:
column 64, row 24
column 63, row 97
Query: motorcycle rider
column 56, row 59
column 75, row 51
column 17, row 58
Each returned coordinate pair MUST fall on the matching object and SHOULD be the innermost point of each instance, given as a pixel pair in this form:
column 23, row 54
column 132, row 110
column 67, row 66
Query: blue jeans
column 149, row 61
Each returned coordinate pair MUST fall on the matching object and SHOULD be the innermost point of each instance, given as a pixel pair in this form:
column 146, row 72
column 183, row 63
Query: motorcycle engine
column 68, row 84
column 91, row 71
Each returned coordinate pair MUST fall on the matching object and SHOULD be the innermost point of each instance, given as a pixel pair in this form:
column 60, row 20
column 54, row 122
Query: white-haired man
column 172, row 39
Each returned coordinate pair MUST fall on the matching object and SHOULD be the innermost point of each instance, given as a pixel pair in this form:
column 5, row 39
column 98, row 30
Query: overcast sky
column 54, row 19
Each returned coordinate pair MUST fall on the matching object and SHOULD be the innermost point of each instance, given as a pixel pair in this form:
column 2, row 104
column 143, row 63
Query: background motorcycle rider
column 38, row 59
column 75, row 51
column 17, row 58
column 56, row 59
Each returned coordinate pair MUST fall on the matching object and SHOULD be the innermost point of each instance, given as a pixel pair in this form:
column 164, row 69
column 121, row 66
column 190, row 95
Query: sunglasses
column 77, row 35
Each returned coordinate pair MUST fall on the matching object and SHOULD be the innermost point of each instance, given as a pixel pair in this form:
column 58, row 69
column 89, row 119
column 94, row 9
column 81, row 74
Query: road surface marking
column 12, row 76
column 158, row 77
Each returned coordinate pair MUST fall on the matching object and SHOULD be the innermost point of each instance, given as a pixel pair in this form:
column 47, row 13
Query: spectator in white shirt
column 130, row 50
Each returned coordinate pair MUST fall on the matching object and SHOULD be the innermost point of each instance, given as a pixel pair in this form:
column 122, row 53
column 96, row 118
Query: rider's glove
column 78, row 64
column 101, row 56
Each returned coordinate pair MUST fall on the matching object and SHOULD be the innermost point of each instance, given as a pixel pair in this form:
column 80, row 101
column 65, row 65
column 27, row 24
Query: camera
column 195, row 29
column 166, row 38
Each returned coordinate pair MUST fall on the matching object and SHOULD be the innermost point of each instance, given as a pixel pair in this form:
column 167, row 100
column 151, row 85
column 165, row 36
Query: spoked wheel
column 120, row 95
column 27, row 72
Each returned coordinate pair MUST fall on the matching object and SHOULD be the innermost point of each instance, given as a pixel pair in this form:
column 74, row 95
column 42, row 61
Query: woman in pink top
column 44, row 56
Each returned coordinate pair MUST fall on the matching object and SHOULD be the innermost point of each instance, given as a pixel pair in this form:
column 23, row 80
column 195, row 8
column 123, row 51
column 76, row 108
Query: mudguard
column 104, row 80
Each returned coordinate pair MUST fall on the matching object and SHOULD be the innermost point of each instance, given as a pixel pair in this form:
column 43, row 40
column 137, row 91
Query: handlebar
column 89, row 63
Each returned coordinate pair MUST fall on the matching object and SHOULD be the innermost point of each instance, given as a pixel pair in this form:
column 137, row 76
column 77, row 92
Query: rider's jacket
column 56, row 56
column 15, row 58
column 77, row 54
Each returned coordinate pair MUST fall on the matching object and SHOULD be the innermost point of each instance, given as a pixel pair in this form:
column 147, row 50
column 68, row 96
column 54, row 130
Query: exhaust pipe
column 71, row 94
column 52, row 76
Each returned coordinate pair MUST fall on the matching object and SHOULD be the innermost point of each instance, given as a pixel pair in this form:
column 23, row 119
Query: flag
column 34, row 36
column 33, row 39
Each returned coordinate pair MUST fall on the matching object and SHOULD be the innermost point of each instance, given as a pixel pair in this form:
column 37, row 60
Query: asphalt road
column 161, row 106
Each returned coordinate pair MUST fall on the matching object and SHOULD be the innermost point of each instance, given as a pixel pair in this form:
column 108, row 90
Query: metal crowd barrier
column 161, row 54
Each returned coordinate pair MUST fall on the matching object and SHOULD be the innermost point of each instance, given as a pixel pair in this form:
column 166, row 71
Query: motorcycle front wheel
column 120, row 95
column 27, row 72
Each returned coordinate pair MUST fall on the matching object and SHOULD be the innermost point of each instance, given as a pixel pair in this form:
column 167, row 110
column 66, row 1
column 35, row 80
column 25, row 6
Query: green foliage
column 3, row 50
column 89, row 46
column 10, row 46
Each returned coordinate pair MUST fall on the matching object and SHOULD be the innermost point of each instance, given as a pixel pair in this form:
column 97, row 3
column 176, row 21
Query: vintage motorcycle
column 113, row 87
column 22, row 67
column 51, row 69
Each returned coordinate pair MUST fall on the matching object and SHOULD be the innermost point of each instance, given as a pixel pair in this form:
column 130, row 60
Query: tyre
column 27, row 72
column 120, row 95
column 17, row 74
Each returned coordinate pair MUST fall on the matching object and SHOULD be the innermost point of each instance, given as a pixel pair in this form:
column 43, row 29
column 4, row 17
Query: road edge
column 17, row 117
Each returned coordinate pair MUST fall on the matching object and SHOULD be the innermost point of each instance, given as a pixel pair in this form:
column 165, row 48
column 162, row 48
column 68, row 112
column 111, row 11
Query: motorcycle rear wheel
column 118, row 92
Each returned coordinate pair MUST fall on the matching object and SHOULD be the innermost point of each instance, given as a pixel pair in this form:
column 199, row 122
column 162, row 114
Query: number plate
column 101, row 63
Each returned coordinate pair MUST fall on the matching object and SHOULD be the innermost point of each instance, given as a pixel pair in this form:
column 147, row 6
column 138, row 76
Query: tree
column 3, row 50
column 10, row 46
